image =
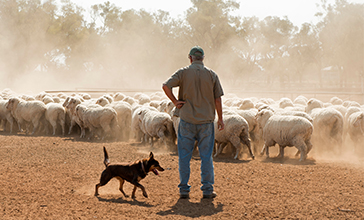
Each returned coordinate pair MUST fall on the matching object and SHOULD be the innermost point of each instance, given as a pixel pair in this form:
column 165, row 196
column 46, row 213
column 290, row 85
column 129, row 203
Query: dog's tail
column 106, row 160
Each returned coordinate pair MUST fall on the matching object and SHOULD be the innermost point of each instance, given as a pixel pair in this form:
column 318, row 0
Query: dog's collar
column 143, row 167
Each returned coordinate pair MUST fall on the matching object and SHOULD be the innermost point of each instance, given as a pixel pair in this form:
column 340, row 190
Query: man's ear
column 151, row 156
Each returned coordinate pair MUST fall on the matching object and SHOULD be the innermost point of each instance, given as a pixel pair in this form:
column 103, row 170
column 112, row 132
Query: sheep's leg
column 263, row 149
column 303, row 152
column 4, row 124
column 309, row 146
column 161, row 135
column 235, row 141
column 35, row 126
column 54, row 126
column 63, row 126
column 301, row 146
column 20, row 122
column 71, row 126
column 281, row 151
column 219, row 148
column 11, row 126
column 247, row 142
column 107, row 131
column 83, row 132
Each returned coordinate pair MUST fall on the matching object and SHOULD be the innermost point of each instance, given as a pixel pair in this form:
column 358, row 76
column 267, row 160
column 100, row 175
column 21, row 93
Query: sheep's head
column 11, row 103
column 262, row 117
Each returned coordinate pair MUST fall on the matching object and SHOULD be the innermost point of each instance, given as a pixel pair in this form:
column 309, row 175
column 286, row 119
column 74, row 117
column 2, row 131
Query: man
column 199, row 96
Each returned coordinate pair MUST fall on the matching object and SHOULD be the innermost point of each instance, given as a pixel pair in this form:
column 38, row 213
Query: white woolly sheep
column 130, row 100
column 47, row 99
column 336, row 101
column 246, row 104
column 285, row 102
column 356, row 128
column 158, row 125
column 104, row 118
column 301, row 100
column 142, row 98
column 286, row 131
column 27, row 111
column 70, row 104
column 124, row 115
column 328, row 123
column 154, row 103
column 118, row 96
column 56, row 115
column 6, row 116
column 236, row 131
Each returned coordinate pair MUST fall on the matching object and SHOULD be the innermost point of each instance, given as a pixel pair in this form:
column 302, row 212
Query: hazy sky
column 297, row 11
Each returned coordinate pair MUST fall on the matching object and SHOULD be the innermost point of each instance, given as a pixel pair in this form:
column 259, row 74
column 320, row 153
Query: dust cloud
column 142, row 64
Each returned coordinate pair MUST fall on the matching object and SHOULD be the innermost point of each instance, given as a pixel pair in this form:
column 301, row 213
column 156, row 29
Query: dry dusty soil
column 55, row 177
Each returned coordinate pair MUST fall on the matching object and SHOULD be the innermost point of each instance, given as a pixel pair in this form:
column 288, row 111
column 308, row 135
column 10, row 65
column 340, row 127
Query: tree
column 25, row 35
column 342, row 34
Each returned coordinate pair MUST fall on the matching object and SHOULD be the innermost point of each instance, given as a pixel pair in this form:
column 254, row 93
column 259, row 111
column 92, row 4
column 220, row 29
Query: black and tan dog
column 133, row 173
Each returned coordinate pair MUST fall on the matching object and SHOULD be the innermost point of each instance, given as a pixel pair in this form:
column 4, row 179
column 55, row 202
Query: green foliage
column 42, row 35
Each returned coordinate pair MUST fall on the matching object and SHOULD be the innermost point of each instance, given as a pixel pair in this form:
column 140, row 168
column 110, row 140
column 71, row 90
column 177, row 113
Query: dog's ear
column 151, row 156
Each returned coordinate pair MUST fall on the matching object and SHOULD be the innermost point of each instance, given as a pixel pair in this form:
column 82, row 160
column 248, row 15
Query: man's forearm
column 218, row 107
column 169, row 93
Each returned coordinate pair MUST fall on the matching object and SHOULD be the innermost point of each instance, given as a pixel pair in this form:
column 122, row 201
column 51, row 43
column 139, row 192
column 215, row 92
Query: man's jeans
column 205, row 136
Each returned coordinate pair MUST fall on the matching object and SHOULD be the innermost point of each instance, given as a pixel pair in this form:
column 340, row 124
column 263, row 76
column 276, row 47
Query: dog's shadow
column 120, row 200
column 186, row 208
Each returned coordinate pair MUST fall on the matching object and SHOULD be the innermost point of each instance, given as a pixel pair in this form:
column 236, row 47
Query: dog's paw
column 145, row 195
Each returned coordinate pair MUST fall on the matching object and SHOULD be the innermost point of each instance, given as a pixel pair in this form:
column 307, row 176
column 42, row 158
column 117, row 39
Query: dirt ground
column 55, row 177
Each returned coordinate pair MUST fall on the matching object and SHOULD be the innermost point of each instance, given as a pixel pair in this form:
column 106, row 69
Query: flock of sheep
column 250, row 122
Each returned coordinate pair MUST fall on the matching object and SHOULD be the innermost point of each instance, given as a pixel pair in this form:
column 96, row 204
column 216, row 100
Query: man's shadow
column 186, row 208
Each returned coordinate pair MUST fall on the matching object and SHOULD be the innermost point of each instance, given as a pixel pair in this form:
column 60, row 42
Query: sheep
column 286, row 131
column 40, row 96
column 254, row 131
column 246, row 104
column 165, row 106
column 27, row 111
column 236, row 131
column 27, row 97
column 154, row 103
column 130, row 100
column 6, row 115
column 336, row 101
column 285, row 102
column 85, row 96
column 301, row 100
column 136, row 130
column 56, row 113
column 142, row 98
column 157, row 124
column 157, row 96
column 70, row 104
column 47, row 99
column 119, row 96
column 56, row 99
column 328, row 123
column 109, row 98
column 94, row 118
column 102, row 101
column 356, row 128
column 124, row 116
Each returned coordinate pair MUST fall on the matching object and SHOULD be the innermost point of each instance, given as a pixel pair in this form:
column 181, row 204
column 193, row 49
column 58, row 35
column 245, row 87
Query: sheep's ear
column 151, row 156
